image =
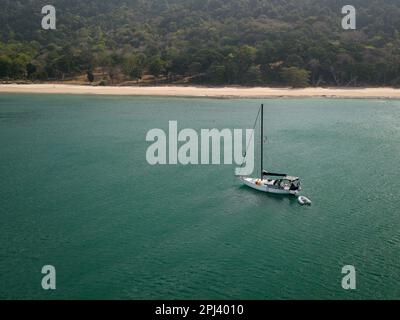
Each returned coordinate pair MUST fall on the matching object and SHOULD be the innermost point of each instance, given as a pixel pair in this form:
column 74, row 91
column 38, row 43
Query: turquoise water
column 77, row 193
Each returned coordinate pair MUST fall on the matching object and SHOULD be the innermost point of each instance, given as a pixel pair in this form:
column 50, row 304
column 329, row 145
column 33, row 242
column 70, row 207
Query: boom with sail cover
column 265, row 173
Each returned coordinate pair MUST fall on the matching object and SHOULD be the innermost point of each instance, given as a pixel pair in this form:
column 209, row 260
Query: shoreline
column 206, row 92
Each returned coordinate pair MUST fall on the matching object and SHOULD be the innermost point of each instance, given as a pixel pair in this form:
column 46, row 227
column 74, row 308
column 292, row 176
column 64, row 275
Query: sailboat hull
column 262, row 185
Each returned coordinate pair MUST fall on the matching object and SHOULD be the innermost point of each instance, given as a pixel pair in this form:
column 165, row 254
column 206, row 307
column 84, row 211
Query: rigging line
column 251, row 137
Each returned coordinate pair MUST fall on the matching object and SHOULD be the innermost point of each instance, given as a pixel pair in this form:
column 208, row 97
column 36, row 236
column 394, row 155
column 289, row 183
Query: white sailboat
column 270, row 182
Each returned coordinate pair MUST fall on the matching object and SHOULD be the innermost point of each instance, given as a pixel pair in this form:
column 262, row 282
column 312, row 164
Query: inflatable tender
column 304, row 200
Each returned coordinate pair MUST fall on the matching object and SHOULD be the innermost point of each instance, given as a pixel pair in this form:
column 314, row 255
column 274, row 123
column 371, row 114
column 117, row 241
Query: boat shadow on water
column 263, row 197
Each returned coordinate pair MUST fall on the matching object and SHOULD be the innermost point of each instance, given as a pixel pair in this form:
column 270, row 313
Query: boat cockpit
column 286, row 182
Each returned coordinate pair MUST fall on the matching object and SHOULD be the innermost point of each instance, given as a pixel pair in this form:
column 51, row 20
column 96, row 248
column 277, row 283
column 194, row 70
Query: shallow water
column 77, row 193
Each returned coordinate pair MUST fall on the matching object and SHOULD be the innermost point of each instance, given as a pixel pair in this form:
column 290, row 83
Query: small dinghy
column 304, row 200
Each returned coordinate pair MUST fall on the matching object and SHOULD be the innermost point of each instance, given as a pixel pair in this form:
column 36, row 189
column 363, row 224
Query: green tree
column 30, row 70
column 295, row 77
column 5, row 66
column 252, row 76
column 133, row 66
column 157, row 66
column 90, row 76
column 217, row 74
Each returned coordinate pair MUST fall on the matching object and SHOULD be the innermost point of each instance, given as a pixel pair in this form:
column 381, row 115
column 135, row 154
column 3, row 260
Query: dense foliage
column 247, row 42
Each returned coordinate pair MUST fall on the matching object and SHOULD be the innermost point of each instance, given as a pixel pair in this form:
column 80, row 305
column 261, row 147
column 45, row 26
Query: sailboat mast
column 262, row 139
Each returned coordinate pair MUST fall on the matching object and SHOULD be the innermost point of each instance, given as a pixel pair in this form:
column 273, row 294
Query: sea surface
column 76, row 192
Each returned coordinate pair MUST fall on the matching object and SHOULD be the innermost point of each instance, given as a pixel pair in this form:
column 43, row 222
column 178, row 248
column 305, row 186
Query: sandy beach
column 217, row 92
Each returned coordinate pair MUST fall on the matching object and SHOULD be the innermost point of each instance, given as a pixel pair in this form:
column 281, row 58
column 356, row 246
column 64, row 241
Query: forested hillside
column 233, row 42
